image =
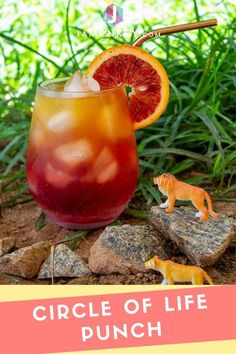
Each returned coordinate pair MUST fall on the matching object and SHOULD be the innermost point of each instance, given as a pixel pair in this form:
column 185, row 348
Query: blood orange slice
column 134, row 67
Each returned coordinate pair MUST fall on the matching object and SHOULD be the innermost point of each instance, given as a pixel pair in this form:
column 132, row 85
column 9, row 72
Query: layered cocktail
column 82, row 163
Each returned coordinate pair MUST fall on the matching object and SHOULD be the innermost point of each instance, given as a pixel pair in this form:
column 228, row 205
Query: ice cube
column 56, row 177
column 108, row 122
column 92, row 83
column 61, row 122
column 106, row 166
column 104, row 169
column 37, row 135
column 81, row 83
column 108, row 173
column 76, row 83
column 114, row 122
column 73, row 154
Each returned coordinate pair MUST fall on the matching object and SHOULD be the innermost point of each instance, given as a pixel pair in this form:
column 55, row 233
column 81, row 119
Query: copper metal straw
column 175, row 29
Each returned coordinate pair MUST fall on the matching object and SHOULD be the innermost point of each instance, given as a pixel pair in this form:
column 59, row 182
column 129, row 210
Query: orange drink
column 82, row 163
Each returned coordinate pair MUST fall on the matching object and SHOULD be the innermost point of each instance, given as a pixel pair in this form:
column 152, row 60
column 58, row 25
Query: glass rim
column 41, row 88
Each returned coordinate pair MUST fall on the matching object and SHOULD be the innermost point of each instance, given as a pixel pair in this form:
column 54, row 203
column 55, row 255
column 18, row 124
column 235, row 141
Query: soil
column 20, row 220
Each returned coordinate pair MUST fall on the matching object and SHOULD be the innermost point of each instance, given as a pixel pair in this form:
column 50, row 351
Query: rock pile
column 124, row 249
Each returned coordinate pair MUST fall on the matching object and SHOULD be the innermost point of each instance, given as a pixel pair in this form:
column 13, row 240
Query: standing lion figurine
column 174, row 189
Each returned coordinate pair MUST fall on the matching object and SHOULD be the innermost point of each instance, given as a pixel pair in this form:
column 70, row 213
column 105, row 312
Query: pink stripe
column 21, row 333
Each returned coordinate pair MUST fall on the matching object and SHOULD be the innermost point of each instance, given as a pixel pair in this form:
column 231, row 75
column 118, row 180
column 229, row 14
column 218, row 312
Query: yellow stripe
column 32, row 292
column 220, row 347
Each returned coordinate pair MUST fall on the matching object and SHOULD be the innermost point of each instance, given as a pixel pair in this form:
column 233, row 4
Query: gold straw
column 175, row 29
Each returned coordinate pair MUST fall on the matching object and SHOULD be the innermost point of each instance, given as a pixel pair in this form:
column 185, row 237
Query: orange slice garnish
column 134, row 67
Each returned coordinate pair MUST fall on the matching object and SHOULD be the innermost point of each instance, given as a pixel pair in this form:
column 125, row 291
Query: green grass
column 196, row 137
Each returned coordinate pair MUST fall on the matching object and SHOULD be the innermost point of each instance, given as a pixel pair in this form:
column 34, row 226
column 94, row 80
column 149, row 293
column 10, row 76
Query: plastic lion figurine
column 174, row 189
column 178, row 273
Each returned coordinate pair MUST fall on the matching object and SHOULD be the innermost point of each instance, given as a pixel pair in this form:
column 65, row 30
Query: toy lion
column 174, row 189
column 178, row 273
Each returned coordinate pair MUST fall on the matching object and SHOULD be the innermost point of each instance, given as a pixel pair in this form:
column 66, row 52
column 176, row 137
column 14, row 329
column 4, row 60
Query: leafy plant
column 195, row 138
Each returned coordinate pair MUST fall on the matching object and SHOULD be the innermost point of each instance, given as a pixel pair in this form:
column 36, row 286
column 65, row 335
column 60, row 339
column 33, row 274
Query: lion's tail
column 208, row 278
column 210, row 208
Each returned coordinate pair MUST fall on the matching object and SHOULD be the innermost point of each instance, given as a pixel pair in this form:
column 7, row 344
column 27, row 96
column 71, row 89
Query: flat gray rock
column 66, row 263
column 26, row 261
column 202, row 242
column 124, row 249
column 6, row 245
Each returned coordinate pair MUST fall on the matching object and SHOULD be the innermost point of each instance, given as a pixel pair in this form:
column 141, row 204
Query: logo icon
column 113, row 14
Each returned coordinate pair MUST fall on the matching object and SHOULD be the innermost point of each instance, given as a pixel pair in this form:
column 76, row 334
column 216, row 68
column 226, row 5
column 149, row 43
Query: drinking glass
column 82, row 163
